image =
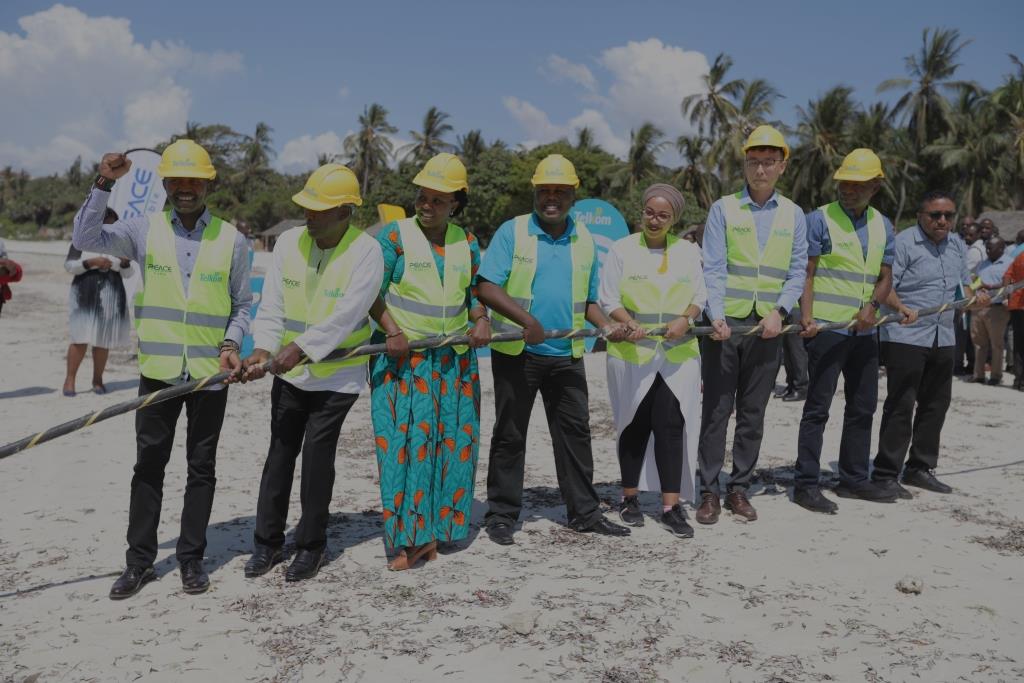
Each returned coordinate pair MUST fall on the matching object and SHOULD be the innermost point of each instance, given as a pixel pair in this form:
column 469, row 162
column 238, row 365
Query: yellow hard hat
column 766, row 136
column 860, row 165
column 444, row 173
column 185, row 159
column 329, row 186
column 555, row 169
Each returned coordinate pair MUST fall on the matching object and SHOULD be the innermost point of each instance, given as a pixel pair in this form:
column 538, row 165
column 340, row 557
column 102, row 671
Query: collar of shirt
column 921, row 237
column 535, row 229
column 772, row 202
column 201, row 223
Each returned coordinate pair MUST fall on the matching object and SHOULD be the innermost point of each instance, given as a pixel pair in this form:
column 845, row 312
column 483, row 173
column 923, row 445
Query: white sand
column 792, row 597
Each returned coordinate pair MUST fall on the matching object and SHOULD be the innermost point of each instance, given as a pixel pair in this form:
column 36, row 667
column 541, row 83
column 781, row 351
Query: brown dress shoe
column 709, row 510
column 736, row 502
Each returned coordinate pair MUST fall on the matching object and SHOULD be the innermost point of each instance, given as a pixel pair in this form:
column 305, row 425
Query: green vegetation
column 942, row 133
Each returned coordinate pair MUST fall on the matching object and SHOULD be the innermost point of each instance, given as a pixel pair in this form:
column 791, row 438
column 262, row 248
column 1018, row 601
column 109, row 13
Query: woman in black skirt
column 98, row 311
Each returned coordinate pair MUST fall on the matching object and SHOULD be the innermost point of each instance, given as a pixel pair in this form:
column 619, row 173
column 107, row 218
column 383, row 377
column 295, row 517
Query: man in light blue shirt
column 988, row 326
column 740, row 371
column 929, row 265
column 545, row 365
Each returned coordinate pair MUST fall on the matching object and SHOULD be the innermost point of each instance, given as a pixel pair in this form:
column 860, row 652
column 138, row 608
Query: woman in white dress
column 654, row 279
column 98, row 311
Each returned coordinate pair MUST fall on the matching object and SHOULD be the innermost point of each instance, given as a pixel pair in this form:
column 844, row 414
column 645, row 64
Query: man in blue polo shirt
column 541, row 272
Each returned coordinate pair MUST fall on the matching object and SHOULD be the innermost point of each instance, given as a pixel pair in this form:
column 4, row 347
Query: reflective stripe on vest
column 650, row 305
column 520, row 283
column 171, row 327
column 754, row 279
column 421, row 304
column 844, row 279
column 310, row 299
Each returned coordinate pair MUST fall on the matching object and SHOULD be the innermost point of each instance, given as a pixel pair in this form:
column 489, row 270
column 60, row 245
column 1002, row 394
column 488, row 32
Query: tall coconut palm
column 823, row 137
column 1008, row 100
column 585, row 139
column 924, row 105
column 254, row 163
column 430, row 140
column 715, row 107
column 755, row 102
column 221, row 142
column 642, row 160
column 471, row 145
column 695, row 176
column 369, row 149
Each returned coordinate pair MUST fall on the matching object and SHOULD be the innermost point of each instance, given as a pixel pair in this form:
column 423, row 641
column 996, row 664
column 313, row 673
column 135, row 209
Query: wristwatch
column 875, row 304
column 228, row 345
column 690, row 322
column 104, row 183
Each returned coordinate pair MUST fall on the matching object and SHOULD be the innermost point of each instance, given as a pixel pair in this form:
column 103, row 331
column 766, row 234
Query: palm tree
column 695, row 177
column 823, row 133
column 642, row 160
column 221, row 142
column 932, row 69
column 585, row 139
column 429, row 141
column 471, row 145
column 756, row 99
column 254, row 165
column 1008, row 100
column 715, row 107
column 369, row 149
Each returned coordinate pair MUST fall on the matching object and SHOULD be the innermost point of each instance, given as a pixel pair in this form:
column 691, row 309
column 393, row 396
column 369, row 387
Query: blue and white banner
column 606, row 225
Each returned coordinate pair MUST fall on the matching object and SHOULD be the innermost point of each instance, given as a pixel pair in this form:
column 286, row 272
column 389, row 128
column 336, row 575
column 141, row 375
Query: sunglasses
column 936, row 215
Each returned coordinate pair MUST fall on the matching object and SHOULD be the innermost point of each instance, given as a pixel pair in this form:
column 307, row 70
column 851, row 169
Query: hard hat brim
column 535, row 181
column 440, row 187
column 307, row 202
column 855, row 177
column 201, row 175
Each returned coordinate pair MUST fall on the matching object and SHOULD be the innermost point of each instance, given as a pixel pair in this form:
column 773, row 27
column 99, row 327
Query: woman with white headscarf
column 654, row 279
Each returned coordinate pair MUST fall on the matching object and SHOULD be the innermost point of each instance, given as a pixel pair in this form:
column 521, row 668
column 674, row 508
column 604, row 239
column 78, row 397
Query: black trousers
column 562, row 382
column 309, row 421
column 917, row 376
column 154, row 437
column 657, row 414
column 830, row 355
column 739, row 371
column 794, row 359
column 1017, row 326
column 964, row 364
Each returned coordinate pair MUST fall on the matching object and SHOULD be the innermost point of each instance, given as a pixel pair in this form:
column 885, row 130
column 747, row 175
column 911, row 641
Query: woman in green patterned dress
column 426, row 403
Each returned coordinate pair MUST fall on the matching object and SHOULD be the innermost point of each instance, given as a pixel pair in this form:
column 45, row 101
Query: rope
column 439, row 342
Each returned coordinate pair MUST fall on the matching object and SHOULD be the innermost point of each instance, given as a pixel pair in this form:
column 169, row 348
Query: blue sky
column 76, row 81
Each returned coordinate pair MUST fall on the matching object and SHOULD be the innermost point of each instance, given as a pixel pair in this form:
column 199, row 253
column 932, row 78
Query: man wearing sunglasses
column 927, row 268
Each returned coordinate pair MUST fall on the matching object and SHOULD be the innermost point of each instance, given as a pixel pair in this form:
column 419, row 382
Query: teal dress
column 426, row 417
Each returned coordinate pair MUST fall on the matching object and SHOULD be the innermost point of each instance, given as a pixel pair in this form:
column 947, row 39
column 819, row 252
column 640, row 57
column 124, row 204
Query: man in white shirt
column 324, row 277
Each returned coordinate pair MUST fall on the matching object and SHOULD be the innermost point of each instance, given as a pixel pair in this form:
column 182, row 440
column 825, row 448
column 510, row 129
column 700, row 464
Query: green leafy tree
column 369, row 149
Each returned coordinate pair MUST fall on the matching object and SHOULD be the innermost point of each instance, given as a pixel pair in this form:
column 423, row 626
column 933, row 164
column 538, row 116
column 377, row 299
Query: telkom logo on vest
column 211, row 277
column 333, row 293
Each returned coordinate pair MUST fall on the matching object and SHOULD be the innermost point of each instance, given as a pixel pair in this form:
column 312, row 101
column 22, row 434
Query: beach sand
column 794, row 596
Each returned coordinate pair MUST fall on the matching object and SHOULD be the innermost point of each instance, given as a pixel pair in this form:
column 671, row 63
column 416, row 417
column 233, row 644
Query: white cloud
column 344, row 91
column 648, row 81
column 562, row 68
column 75, row 84
column 301, row 154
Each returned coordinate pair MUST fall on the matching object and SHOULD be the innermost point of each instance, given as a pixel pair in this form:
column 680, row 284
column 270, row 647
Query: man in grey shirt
column 928, row 267
column 181, row 337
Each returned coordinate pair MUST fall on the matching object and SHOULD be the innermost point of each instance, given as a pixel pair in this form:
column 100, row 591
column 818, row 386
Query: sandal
column 403, row 560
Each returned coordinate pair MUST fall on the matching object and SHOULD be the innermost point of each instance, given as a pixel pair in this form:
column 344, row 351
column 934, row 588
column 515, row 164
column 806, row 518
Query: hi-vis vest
column 169, row 325
column 754, row 280
column 309, row 303
column 420, row 304
column 520, row 282
column 652, row 306
column 845, row 280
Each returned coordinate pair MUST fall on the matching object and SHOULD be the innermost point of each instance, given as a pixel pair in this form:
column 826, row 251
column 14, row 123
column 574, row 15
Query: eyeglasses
column 660, row 215
column 936, row 215
column 766, row 164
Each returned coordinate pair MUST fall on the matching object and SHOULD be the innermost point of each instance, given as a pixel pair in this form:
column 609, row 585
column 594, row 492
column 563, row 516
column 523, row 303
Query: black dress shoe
column 605, row 528
column 865, row 491
column 923, row 479
column 501, row 533
column 893, row 486
column 194, row 579
column 262, row 561
column 994, row 381
column 795, row 395
column 781, row 391
column 812, row 499
column 131, row 581
column 305, row 565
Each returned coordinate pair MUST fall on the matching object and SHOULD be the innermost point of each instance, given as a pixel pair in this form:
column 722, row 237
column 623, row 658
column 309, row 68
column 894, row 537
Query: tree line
column 941, row 133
